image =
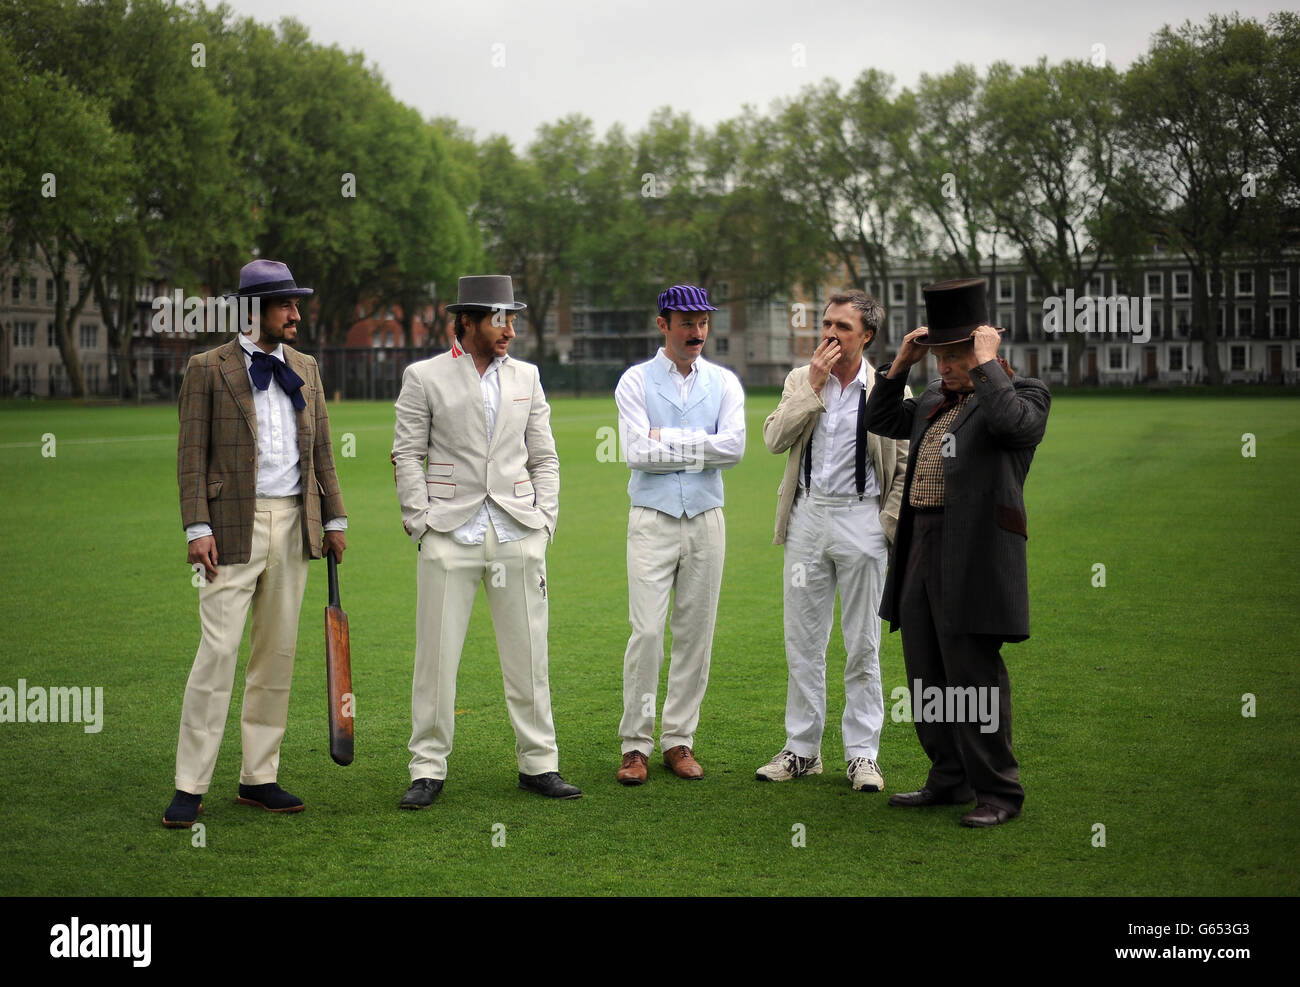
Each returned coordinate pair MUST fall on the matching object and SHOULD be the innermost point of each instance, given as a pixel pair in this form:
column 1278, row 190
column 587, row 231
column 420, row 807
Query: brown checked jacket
column 216, row 459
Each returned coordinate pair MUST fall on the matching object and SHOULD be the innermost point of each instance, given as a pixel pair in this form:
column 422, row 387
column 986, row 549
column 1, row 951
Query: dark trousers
column 964, row 759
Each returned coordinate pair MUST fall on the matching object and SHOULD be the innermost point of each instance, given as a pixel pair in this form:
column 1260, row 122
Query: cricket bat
column 338, row 671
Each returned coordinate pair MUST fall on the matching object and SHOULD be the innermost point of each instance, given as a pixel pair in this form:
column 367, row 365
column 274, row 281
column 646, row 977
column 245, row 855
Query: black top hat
column 485, row 292
column 954, row 310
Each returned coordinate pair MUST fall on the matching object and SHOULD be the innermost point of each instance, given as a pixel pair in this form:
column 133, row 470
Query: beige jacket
column 445, row 466
column 790, row 427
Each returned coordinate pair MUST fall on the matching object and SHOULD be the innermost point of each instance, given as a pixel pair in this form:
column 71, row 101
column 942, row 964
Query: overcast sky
column 616, row 61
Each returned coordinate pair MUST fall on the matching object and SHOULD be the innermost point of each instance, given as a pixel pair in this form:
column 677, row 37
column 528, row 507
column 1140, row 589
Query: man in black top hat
column 958, row 583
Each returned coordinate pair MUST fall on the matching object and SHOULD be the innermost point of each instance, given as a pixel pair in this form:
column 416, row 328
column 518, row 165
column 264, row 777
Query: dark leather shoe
column 988, row 815
column 550, row 784
column 185, row 808
column 681, row 762
column 270, row 797
column 421, row 793
column 925, row 798
column 633, row 769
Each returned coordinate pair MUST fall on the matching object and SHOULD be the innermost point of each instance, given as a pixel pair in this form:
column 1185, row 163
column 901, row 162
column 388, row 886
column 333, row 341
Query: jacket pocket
column 1011, row 519
column 523, row 488
column 439, row 489
column 214, row 488
column 441, row 469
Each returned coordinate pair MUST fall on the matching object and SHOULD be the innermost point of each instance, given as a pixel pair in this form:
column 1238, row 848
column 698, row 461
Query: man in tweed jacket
column 958, row 583
column 256, row 474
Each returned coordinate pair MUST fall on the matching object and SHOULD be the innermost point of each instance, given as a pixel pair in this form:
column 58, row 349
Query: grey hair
column 868, row 307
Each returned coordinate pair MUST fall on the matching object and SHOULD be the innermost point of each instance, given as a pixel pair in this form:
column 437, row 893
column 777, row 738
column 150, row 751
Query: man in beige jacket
column 479, row 485
column 837, row 509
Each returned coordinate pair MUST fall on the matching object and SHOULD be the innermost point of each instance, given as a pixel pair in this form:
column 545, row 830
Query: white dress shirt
column 474, row 531
column 679, row 449
column 834, row 440
column 278, row 471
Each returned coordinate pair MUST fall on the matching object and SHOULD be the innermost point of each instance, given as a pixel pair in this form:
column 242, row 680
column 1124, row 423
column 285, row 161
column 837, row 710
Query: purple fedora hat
column 267, row 279
column 684, row 298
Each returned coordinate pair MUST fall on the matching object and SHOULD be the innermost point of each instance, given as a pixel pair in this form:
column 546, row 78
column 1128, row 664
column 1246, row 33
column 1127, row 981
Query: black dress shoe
column 549, row 784
column 270, row 797
column 925, row 798
column 185, row 808
column 988, row 815
column 421, row 793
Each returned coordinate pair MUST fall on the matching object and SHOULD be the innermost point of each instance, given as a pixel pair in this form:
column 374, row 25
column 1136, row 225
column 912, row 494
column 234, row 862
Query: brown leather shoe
column 988, row 815
column 927, row 797
column 682, row 763
column 633, row 769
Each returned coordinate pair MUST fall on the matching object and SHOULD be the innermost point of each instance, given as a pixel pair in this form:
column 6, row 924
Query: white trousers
column 682, row 557
column 447, row 580
column 834, row 543
column 272, row 581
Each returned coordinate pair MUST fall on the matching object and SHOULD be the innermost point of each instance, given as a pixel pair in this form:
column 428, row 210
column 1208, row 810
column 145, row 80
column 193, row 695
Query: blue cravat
column 264, row 365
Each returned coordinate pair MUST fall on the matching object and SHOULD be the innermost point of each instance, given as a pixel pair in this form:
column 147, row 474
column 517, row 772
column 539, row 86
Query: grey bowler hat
column 485, row 291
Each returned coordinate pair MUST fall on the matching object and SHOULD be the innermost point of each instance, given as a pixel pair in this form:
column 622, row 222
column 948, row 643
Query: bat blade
column 338, row 673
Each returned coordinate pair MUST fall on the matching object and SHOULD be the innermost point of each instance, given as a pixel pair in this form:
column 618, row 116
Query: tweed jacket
column 216, row 461
column 445, row 465
column 791, row 425
column 986, row 580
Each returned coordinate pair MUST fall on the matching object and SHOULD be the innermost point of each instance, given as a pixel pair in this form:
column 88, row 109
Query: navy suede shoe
column 270, row 797
column 185, row 808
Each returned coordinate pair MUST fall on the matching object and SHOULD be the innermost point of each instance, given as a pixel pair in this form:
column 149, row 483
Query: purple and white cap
column 685, row 298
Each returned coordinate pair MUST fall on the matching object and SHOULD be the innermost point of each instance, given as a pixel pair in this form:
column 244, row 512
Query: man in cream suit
column 256, row 474
column 479, row 485
column 837, row 509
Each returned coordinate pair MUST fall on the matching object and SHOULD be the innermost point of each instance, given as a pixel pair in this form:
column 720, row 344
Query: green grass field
column 1128, row 698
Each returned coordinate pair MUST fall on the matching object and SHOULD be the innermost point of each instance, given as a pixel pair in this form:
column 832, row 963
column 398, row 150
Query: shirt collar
column 250, row 348
column 665, row 361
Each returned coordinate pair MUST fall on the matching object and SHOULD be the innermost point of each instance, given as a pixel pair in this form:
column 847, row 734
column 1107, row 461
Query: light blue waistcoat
column 683, row 492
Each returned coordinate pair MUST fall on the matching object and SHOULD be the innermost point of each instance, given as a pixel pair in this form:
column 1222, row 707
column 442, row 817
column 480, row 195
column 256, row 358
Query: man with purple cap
column 256, row 473
column 681, row 422
column 958, row 584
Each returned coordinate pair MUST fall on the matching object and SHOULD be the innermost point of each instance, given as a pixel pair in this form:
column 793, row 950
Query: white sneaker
column 788, row 765
column 865, row 775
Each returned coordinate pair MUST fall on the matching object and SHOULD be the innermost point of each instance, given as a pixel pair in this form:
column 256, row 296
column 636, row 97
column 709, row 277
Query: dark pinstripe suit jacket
column 216, row 461
column 986, row 580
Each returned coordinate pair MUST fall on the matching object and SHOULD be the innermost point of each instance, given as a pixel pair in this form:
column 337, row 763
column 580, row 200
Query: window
column 1213, row 283
column 1245, row 320
column 722, row 291
column 1238, row 357
column 1245, row 282
column 1155, row 284
column 897, row 326
column 17, row 291
column 1119, row 286
column 1006, row 289
column 24, row 334
column 1156, row 322
column 50, row 339
column 721, row 345
column 720, row 321
column 1182, row 284
column 898, row 292
column 391, row 339
column 1278, row 282
column 49, row 290
column 578, row 321
column 1115, row 357
column 1031, row 288
column 1176, row 358
column 1278, row 322
column 1096, row 286
column 1006, row 318
column 1056, row 358
column 1183, row 320
column 83, row 288
column 89, row 335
